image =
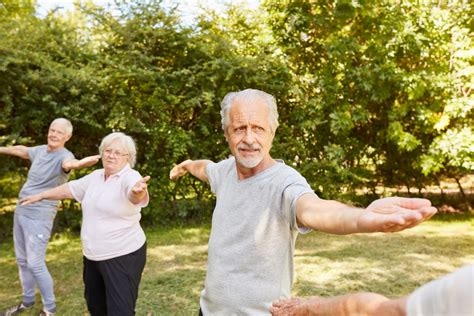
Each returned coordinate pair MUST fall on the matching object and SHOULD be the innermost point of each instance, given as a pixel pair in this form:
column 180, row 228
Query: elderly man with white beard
column 261, row 206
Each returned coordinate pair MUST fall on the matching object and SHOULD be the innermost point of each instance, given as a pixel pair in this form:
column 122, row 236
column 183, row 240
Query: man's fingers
column 278, row 302
column 413, row 203
column 173, row 172
column 428, row 211
column 89, row 161
column 179, row 170
column 402, row 220
column 176, row 172
column 417, row 215
column 394, row 220
column 25, row 201
column 92, row 158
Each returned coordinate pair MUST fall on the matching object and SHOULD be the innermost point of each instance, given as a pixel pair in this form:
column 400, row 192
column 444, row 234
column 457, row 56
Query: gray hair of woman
column 126, row 141
column 250, row 95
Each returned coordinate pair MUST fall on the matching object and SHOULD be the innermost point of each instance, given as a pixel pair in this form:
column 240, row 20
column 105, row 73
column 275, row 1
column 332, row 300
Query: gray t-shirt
column 252, row 241
column 46, row 172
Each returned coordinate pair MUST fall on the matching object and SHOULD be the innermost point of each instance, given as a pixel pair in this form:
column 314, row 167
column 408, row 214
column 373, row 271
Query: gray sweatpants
column 30, row 237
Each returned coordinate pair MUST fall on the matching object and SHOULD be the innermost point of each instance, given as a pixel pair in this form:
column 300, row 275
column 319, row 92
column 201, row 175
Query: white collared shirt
column 110, row 222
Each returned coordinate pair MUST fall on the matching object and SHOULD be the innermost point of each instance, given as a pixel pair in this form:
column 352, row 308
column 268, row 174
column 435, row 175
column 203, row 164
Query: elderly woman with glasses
column 113, row 242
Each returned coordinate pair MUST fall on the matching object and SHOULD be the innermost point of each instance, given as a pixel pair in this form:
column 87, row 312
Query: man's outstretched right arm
column 195, row 167
column 18, row 150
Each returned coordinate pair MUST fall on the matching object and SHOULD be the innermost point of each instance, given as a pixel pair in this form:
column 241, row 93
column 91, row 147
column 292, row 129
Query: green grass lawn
column 392, row 264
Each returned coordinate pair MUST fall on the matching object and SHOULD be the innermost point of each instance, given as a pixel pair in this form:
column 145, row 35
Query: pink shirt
column 110, row 222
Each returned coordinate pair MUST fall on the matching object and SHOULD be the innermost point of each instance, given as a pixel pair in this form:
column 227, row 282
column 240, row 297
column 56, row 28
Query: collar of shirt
column 124, row 170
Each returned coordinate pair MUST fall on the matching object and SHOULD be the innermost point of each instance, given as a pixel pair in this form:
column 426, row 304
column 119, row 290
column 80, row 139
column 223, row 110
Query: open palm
column 394, row 214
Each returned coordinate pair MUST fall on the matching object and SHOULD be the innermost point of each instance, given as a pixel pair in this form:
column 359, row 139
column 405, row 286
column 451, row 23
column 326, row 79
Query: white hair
column 249, row 95
column 64, row 122
column 126, row 141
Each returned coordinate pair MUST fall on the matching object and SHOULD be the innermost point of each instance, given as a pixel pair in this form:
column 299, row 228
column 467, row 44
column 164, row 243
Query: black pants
column 111, row 286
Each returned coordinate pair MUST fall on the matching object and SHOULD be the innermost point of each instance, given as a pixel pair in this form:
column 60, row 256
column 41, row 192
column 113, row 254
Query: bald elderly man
column 32, row 224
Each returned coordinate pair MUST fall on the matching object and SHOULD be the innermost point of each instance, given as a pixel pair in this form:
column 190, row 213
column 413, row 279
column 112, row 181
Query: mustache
column 249, row 147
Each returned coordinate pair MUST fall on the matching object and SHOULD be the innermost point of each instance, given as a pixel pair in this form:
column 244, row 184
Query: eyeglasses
column 116, row 153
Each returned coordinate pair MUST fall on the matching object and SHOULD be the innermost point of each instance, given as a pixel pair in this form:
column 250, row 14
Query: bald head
column 60, row 131
column 65, row 123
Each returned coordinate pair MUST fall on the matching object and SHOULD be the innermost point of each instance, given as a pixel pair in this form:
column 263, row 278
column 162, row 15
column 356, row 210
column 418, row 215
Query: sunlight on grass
column 7, row 205
column 392, row 264
column 175, row 252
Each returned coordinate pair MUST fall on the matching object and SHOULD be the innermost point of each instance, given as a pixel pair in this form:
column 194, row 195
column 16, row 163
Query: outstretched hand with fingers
column 179, row 170
column 139, row 190
column 286, row 306
column 141, row 186
column 395, row 214
column 30, row 199
column 89, row 161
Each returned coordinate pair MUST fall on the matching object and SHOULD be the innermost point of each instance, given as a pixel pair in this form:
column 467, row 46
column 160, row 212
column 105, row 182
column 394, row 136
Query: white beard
column 249, row 162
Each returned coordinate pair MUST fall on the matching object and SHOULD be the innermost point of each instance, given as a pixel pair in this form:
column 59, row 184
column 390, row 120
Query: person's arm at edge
column 195, row 167
column 360, row 304
column 17, row 150
column 57, row 193
column 72, row 164
column 394, row 307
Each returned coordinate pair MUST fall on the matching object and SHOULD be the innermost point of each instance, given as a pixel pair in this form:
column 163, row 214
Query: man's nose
column 249, row 136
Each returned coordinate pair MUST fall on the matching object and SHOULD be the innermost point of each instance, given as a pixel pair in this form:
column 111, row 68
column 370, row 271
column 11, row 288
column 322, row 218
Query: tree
column 375, row 80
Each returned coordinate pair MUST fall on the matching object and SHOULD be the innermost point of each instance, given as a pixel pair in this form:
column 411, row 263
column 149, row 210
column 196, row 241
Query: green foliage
column 137, row 70
column 369, row 93
column 386, row 85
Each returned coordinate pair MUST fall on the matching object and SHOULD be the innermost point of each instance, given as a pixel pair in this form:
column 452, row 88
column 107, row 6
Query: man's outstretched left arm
column 71, row 164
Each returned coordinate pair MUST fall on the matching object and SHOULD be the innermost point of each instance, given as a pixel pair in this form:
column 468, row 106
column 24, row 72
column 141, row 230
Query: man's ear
column 68, row 137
